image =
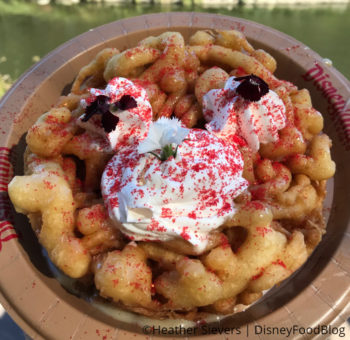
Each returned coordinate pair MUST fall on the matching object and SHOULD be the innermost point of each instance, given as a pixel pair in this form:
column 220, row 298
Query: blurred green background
column 29, row 30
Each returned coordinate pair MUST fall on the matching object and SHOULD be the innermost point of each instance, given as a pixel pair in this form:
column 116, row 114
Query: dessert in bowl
column 247, row 206
column 203, row 175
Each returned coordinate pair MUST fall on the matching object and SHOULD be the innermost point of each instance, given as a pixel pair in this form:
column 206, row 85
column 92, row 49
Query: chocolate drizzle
column 252, row 87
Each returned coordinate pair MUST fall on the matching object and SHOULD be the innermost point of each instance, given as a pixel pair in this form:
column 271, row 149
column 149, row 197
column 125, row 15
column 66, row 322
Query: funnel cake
column 178, row 179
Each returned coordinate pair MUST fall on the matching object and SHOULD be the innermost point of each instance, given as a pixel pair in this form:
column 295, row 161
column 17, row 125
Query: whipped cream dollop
column 230, row 115
column 184, row 196
column 133, row 124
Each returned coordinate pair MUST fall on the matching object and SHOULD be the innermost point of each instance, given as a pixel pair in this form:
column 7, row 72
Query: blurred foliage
column 29, row 31
column 5, row 83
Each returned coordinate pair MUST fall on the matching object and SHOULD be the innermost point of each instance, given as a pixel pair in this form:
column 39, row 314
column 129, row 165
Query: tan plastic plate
column 318, row 294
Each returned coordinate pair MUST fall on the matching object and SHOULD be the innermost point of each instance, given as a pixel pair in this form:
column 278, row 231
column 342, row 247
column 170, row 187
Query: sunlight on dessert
column 177, row 180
